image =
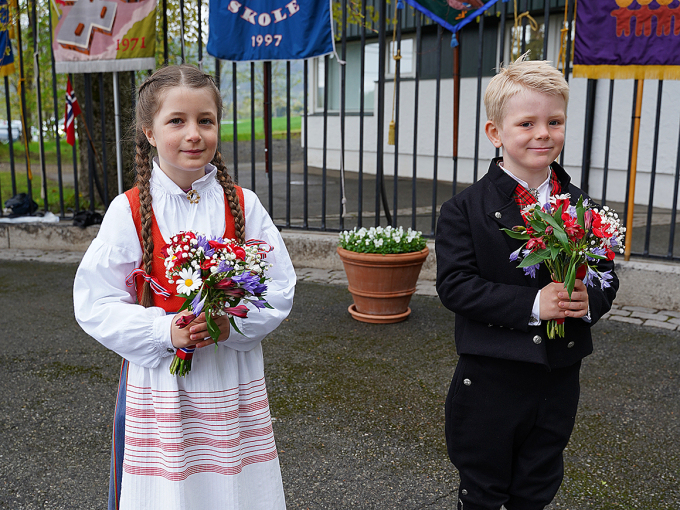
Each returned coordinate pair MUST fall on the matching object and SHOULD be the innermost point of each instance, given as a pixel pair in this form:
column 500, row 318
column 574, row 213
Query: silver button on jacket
column 537, row 339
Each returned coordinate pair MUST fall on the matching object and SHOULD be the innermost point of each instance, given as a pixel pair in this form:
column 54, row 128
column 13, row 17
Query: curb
column 649, row 293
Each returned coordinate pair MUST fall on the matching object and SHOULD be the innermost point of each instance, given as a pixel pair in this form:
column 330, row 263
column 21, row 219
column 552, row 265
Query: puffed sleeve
column 281, row 287
column 105, row 307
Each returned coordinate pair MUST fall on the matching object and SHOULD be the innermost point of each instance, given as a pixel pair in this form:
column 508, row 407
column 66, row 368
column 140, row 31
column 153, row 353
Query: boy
column 512, row 402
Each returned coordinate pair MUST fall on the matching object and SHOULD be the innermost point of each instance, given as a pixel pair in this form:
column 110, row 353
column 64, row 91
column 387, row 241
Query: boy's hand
column 196, row 334
column 555, row 303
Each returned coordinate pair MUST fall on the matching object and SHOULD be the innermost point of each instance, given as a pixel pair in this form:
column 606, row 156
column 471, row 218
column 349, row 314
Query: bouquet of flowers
column 569, row 240
column 382, row 240
column 217, row 276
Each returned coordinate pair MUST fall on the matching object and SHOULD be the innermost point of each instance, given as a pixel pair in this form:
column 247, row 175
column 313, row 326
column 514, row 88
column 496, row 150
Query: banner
column 627, row 39
column 6, row 29
column 270, row 29
column 92, row 36
column 452, row 14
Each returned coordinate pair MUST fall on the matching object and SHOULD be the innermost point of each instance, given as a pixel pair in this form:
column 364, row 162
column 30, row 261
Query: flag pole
column 116, row 108
column 633, row 169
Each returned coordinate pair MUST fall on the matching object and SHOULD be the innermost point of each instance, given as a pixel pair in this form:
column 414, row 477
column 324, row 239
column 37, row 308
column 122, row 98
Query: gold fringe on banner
column 627, row 72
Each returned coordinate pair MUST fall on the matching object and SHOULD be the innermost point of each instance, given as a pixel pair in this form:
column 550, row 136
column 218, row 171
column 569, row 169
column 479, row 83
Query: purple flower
column 250, row 283
column 605, row 278
column 223, row 267
column 572, row 211
column 515, row 254
column 547, row 208
column 259, row 303
column 531, row 270
column 198, row 303
column 202, row 242
column 614, row 242
column 596, row 251
column 589, row 279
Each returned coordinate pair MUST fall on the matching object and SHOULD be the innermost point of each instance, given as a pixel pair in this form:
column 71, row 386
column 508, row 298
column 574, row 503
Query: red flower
column 184, row 321
column 573, row 229
column 534, row 243
column 581, row 272
column 597, row 227
column 217, row 246
column 237, row 311
column 564, row 202
column 239, row 252
column 610, row 254
column 207, row 264
column 224, row 284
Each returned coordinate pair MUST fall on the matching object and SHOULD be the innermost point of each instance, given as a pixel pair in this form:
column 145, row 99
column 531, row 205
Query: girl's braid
column 142, row 160
column 228, row 184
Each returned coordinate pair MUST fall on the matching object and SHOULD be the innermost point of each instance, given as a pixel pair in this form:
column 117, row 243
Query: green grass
column 36, row 190
column 279, row 128
column 34, row 151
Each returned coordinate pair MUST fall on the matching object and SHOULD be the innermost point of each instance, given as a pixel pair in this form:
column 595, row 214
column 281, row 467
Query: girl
column 206, row 440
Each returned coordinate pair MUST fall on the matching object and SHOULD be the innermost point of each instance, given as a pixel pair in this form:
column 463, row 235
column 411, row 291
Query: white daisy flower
column 188, row 281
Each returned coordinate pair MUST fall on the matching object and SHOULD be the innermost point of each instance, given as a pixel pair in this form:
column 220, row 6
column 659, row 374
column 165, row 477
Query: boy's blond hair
column 538, row 75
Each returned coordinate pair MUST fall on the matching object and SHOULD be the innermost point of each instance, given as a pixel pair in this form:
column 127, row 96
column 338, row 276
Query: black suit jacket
column 491, row 297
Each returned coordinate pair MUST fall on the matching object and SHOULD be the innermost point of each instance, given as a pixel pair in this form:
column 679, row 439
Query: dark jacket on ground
column 491, row 297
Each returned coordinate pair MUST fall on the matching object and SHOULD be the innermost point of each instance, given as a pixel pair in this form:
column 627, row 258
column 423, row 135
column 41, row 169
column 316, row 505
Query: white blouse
column 106, row 308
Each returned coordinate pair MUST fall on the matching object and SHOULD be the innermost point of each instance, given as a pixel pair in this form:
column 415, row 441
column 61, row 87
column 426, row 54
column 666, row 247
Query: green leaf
column 580, row 213
column 213, row 328
column 535, row 258
column 186, row 304
column 233, row 325
column 516, row 235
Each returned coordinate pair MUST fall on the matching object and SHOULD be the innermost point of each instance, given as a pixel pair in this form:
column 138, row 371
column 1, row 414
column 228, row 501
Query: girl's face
column 184, row 132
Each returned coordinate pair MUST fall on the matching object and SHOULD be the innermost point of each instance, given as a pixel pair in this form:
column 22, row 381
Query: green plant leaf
column 535, row 258
column 516, row 235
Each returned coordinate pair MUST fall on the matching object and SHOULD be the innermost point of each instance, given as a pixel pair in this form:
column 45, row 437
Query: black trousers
column 507, row 424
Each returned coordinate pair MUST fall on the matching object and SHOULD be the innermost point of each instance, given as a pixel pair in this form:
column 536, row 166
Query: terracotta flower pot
column 381, row 285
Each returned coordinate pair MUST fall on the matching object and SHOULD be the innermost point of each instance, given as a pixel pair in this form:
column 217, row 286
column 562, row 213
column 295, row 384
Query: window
column 407, row 66
column 352, row 79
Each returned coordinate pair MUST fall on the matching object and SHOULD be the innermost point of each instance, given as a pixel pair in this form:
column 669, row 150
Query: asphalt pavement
column 358, row 408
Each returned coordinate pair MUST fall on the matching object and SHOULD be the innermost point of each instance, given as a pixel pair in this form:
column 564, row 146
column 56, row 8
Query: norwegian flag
column 72, row 110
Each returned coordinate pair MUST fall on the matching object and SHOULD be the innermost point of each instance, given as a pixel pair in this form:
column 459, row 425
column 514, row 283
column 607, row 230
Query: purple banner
column 627, row 39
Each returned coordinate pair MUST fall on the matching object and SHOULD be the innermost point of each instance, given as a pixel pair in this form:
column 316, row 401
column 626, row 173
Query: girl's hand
column 196, row 334
column 555, row 302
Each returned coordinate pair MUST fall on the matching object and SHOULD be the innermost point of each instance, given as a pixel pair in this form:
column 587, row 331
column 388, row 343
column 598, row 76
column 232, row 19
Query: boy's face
column 531, row 133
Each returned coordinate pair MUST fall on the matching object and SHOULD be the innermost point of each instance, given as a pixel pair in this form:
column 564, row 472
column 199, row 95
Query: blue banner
column 247, row 30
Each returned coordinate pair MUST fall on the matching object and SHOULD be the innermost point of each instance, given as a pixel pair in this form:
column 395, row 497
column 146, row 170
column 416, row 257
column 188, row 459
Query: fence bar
column 200, row 35
column 253, row 156
column 380, row 145
column 25, row 129
column 343, row 104
column 74, row 153
column 605, row 170
column 674, row 210
column 181, row 29
column 437, row 97
column 165, row 32
column 103, row 128
column 652, row 176
column 268, row 153
column 362, row 74
column 305, row 138
column 523, row 42
column 456, row 114
column 480, row 55
column 218, row 84
column 11, row 140
column 588, row 134
column 546, row 25
column 36, row 67
column 397, row 86
column 416, row 93
column 326, row 65
column 288, row 143
column 234, row 118
column 88, row 123
column 119, row 152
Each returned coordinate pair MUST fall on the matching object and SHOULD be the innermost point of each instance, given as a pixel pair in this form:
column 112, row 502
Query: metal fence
column 340, row 171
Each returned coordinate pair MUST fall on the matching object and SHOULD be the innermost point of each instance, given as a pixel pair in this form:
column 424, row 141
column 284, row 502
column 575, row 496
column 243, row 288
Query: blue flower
column 223, row 267
column 515, row 254
column 596, row 251
column 589, row 279
column 604, row 279
column 202, row 242
column 197, row 304
column 531, row 270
